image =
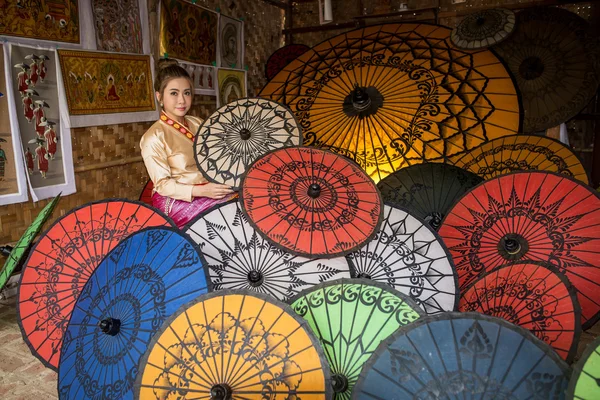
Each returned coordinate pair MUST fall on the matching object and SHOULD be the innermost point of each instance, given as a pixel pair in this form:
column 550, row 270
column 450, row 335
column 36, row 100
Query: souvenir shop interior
column 299, row 199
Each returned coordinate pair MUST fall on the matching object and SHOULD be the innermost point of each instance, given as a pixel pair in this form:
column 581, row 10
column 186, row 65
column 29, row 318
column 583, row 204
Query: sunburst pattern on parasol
column 311, row 202
column 463, row 356
column 231, row 346
column 535, row 297
column 394, row 95
column 483, row 28
column 238, row 133
column 408, row 255
column 529, row 216
column 62, row 261
column 239, row 258
column 428, row 191
column 522, row 153
column 554, row 57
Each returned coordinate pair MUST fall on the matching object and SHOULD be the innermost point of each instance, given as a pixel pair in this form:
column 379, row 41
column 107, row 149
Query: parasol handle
column 360, row 99
column 220, row 392
column 245, row 134
column 314, row 190
column 6, row 250
column 110, row 326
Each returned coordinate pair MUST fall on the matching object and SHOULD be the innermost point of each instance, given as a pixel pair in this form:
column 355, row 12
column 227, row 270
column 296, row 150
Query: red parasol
column 535, row 297
column 312, row 203
column 62, row 261
column 529, row 216
column 146, row 195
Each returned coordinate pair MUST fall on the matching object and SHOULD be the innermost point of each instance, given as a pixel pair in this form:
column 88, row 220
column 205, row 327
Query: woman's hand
column 212, row 190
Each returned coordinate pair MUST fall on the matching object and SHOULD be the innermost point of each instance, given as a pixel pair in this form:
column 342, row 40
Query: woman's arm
column 155, row 158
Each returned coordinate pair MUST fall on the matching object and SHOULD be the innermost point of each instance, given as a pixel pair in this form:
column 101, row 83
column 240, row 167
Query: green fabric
column 25, row 241
column 587, row 386
column 351, row 317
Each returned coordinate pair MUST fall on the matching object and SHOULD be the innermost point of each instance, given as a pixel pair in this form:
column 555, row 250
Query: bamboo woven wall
column 107, row 158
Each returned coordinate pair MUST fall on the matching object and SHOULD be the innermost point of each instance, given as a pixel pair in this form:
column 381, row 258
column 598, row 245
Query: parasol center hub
column 339, row 383
column 221, row 391
column 434, row 220
column 480, row 21
column 513, row 246
column 255, row 277
column 314, row 190
column 531, row 68
column 363, row 275
column 360, row 99
column 110, row 326
column 245, row 134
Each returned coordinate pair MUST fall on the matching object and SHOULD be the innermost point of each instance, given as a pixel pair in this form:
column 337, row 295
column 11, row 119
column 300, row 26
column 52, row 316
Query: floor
column 23, row 377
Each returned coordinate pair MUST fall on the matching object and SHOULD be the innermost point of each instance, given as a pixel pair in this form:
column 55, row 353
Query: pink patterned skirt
column 182, row 212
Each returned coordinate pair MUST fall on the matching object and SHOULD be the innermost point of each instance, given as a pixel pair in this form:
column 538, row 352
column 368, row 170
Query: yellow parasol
column 523, row 153
column 234, row 345
column 394, row 95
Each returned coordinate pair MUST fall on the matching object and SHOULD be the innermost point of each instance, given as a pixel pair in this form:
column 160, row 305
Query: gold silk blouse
column 169, row 158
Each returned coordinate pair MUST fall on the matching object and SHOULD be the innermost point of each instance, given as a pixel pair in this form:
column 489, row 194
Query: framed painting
column 55, row 20
column 104, row 83
column 118, row 26
column 203, row 77
column 188, row 32
column 231, row 42
column 46, row 142
column 231, row 85
column 13, row 182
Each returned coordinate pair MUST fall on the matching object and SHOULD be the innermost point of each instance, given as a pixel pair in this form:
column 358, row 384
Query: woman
column 180, row 190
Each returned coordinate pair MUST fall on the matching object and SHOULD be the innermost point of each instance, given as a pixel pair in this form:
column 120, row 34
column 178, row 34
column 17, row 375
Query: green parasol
column 585, row 379
column 20, row 249
column 350, row 318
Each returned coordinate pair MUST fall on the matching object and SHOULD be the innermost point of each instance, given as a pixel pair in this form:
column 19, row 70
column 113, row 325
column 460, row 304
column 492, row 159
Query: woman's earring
column 161, row 104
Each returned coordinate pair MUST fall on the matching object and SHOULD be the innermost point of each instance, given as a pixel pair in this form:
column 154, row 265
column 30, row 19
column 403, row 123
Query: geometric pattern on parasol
column 62, row 261
column 463, row 356
column 535, row 297
column 529, row 216
column 553, row 55
column 427, row 191
column 144, row 280
column 409, row 256
column 586, row 374
column 146, row 195
column 238, row 133
column 522, row 153
column 282, row 57
column 311, row 202
column 390, row 96
column 22, row 246
column 234, row 345
column 239, row 258
column 350, row 317
column 483, row 28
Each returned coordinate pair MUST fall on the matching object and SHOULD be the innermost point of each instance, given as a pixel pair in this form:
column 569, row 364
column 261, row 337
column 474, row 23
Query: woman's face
column 177, row 97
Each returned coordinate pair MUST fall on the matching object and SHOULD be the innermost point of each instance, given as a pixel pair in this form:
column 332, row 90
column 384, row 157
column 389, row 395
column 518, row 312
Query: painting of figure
column 106, row 83
column 55, row 20
column 231, row 44
column 231, row 85
column 188, row 32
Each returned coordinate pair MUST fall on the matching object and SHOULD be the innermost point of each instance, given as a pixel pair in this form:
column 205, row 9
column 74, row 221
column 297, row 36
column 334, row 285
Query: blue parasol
column 462, row 356
column 144, row 280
